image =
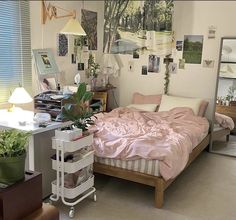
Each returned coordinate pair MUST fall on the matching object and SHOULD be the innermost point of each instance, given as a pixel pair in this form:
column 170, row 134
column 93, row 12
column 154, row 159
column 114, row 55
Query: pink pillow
column 146, row 99
column 202, row 108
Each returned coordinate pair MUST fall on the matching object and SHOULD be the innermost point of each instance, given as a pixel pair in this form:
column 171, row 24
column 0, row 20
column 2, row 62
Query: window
column 15, row 47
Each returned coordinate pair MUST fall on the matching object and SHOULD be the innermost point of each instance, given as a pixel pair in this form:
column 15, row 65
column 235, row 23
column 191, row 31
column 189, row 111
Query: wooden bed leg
column 227, row 138
column 159, row 193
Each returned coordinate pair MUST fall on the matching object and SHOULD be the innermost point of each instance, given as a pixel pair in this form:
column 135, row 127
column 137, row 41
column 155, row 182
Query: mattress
column 150, row 167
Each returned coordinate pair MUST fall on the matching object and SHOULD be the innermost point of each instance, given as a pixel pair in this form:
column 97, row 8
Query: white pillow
column 144, row 107
column 169, row 102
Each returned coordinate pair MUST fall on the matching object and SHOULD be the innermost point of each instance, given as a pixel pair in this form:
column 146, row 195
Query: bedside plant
column 77, row 109
column 12, row 155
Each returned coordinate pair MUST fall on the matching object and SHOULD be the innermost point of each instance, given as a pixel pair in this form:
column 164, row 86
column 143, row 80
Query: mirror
column 224, row 131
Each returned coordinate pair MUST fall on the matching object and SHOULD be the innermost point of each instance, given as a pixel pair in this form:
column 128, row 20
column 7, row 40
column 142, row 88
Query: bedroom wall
column 190, row 18
column 45, row 36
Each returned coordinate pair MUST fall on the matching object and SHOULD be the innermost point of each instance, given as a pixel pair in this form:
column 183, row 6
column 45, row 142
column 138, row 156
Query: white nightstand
column 40, row 145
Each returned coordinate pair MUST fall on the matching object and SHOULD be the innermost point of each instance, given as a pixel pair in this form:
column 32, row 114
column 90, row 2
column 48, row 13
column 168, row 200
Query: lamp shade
column 73, row 27
column 20, row 96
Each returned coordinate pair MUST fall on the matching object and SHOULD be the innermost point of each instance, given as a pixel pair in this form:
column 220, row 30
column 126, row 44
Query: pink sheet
column 224, row 121
column 166, row 136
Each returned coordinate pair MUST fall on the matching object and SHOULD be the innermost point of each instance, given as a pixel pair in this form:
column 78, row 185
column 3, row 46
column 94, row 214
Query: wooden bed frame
column 158, row 182
column 219, row 133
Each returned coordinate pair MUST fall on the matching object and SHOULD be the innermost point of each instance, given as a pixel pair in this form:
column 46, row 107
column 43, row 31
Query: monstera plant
column 77, row 108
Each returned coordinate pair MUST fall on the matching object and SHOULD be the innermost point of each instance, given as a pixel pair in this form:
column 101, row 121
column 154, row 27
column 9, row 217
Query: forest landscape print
column 192, row 52
column 141, row 26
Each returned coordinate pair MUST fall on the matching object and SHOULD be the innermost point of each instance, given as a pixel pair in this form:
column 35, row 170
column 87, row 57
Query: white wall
column 45, row 36
column 190, row 18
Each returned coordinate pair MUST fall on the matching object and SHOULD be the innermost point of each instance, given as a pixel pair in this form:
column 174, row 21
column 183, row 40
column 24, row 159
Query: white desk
column 39, row 150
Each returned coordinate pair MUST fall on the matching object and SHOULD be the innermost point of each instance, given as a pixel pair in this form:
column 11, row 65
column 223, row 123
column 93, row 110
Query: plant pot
column 12, row 169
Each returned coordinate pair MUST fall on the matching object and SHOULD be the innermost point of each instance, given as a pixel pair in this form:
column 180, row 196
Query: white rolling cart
column 85, row 188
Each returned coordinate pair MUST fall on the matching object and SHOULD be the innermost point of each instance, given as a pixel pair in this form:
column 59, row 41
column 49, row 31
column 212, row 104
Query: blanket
column 167, row 136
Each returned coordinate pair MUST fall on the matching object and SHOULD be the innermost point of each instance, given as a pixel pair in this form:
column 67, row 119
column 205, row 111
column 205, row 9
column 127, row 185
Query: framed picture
column 45, row 62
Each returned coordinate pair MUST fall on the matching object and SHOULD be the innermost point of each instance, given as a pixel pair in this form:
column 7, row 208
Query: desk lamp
column 19, row 96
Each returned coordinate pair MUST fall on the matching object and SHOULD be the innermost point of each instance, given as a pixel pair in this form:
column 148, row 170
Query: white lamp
column 110, row 67
column 19, row 96
column 72, row 27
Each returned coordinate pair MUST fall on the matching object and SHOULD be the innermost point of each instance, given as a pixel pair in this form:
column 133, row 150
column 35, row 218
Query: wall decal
column 138, row 25
column 89, row 24
column 144, row 70
column 181, row 63
column 153, row 64
column 179, row 45
column 208, row 63
column 62, row 45
column 193, row 48
column 211, row 32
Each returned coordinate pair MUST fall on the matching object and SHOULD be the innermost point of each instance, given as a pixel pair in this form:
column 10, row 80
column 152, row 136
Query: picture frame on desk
column 45, row 62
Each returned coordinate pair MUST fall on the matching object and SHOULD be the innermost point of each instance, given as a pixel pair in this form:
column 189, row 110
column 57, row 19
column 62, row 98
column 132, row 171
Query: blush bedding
column 168, row 136
column 224, row 121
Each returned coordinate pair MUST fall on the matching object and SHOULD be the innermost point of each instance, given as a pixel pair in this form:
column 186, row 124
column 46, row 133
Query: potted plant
column 12, row 155
column 78, row 111
column 93, row 70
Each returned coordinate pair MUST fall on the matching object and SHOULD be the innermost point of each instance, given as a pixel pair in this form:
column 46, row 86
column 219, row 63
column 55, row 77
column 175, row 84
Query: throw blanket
column 169, row 136
column 224, row 121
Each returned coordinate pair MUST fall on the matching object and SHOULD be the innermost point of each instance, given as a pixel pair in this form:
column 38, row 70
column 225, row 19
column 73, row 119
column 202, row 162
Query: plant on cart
column 77, row 109
column 12, row 155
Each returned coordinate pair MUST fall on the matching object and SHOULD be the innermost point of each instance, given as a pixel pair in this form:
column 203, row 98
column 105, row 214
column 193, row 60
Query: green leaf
column 80, row 92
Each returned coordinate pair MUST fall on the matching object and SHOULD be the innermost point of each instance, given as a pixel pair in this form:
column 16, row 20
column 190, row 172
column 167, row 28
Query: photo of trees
column 142, row 26
column 89, row 24
column 192, row 52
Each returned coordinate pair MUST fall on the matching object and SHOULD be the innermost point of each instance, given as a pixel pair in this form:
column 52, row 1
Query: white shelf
column 72, row 167
column 71, row 193
column 71, row 146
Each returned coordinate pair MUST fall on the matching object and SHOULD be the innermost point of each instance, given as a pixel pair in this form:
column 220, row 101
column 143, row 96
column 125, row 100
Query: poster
column 138, row 25
column 153, row 64
column 192, row 52
column 62, row 45
column 89, row 24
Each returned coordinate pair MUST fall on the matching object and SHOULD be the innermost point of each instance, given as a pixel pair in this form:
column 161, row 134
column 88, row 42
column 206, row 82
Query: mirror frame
column 216, row 91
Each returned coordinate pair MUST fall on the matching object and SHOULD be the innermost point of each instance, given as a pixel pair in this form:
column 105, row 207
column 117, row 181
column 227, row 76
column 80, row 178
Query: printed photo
column 138, row 25
column 153, row 64
column 89, row 24
column 135, row 54
column 144, row 70
column 172, row 68
column 192, row 52
column 80, row 66
column 179, row 45
column 46, row 61
column 181, row 63
column 62, row 45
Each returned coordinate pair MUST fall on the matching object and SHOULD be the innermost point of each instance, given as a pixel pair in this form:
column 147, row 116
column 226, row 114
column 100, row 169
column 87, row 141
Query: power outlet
column 131, row 66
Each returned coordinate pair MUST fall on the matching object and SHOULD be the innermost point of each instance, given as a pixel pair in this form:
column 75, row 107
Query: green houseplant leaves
column 77, row 108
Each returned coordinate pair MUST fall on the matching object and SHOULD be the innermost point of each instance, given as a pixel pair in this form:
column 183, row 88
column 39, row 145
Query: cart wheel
column 72, row 212
column 94, row 197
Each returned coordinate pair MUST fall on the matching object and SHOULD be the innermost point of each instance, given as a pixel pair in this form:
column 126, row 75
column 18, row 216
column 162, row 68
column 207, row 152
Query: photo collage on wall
column 79, row 51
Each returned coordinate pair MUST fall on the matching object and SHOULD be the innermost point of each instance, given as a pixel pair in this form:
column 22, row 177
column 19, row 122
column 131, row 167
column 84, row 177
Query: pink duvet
column 166, row 136
column 224, row 121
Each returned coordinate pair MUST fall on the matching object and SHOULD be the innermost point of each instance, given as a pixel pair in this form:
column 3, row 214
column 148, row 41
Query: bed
column 222, row 127
column 133, row 164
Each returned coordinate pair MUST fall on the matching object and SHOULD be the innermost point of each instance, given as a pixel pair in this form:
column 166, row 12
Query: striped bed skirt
column 150, row 167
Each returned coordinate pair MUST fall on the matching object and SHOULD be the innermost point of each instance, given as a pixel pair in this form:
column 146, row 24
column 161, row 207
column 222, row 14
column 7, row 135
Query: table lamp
column 110, row 67
column 19, row 96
